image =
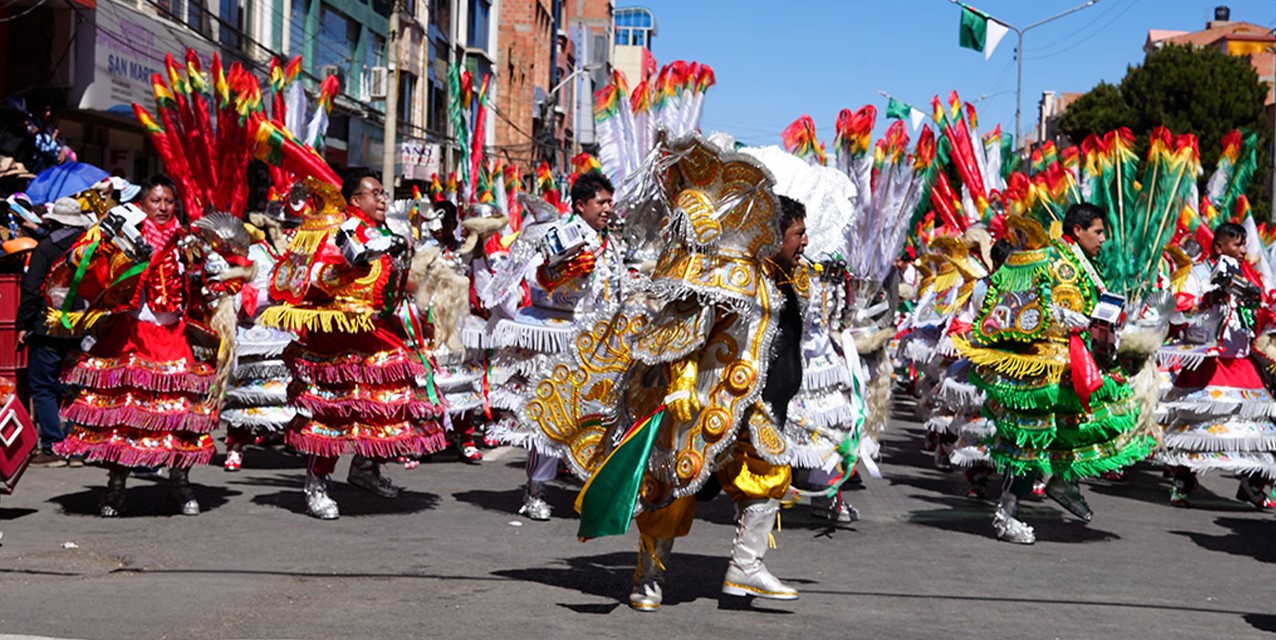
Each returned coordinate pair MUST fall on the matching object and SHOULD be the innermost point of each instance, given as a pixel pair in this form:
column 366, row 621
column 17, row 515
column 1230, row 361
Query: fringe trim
column 245, row 348
column 378, row 449
column 112, row 417
column 1197, row 442
column 1195, row 410
column 476, row 337
column 249, row 372
column 958, row 395
column 131, row 376
column 82, row 322
column 1110, row 426
column 344, row 410
column 833, row 375
column 275, row 420
column 288, row 318
column 535, row 338
column 127, row 455
column 344, row 374
column 1247, row 463
column 969, row 457
column 248, row 396
column 813, row 456
column 1136, row 449
column 940, row 424
column 1012, row 364
column 1171, row 359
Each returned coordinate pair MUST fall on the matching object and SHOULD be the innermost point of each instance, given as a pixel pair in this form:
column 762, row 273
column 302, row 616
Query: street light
column 551, row 101
column 1019, row 55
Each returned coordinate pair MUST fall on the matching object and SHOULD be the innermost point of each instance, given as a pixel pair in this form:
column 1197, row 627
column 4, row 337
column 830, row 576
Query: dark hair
column 1229, row 231
column 1082, row 214
column 999, row 252
column 352, row 180
column 157, row 180
column 790, row 211
column 589, row 184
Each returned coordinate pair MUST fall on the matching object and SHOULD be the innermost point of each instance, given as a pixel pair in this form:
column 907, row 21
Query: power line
column 35, row 6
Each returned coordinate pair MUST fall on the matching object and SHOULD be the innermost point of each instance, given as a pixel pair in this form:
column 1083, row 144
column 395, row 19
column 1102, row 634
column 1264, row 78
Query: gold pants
column 745, row 476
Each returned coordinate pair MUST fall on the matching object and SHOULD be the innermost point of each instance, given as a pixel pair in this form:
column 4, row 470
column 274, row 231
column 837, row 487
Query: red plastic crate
column 10, row 296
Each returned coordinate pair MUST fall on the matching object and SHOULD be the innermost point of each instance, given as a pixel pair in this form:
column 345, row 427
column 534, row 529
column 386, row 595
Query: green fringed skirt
column 1043, row 427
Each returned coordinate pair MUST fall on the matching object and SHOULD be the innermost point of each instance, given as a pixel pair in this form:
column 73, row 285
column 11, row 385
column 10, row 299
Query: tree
column 1198, row 90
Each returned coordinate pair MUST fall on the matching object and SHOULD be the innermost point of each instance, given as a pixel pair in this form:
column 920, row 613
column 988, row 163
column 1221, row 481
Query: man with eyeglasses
column 357, row 365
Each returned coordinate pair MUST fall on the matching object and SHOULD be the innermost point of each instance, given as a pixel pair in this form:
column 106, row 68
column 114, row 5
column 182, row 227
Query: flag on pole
column 903, row 111
column 980, row 31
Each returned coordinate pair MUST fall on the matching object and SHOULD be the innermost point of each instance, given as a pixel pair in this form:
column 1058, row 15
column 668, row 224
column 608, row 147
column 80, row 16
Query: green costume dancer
column 1057, row 413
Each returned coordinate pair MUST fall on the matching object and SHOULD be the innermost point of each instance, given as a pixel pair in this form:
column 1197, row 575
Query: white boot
column 318, row 504
column 649, row 575
column 1008, row 527
column 746, row 575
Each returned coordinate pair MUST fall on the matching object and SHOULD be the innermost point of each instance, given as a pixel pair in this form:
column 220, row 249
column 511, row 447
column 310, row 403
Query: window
column 229, row 29
column 297, row 27
column 480, row 13
column 336, row 38
column 407, row 91
column 635, row 26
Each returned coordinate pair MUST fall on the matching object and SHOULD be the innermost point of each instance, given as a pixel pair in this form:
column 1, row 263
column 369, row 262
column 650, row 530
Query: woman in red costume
column 143, row 397
column 361, row 383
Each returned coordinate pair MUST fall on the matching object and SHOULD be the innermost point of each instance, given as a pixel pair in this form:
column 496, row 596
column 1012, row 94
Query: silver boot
column 365, row 473
column 318, row 504
column 180, row 495
column 113, row 501
column 534, row 505
column 649, row 575
column 1006, row 524
column 746, row 575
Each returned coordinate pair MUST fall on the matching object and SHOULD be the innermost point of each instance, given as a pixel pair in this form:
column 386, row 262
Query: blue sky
column 778, row 60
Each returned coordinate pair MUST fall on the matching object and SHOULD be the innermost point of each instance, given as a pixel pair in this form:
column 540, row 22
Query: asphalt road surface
column 450, row 559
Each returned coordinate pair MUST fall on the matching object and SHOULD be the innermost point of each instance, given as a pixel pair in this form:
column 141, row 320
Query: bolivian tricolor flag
column 606, row 504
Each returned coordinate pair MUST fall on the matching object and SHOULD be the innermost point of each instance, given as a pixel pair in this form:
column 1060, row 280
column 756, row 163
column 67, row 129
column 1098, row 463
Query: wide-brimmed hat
column 67, row 212
column 11, row 168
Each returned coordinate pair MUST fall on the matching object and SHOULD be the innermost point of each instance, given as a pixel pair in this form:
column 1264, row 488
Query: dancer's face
column 794, row 243
column 160, row 204
column 370, row 198
column 1091, row 238
column 596, row 211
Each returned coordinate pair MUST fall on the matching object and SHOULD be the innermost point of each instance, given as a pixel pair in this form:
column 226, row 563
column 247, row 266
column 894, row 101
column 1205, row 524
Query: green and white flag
column 980, row 31
column 897, row 109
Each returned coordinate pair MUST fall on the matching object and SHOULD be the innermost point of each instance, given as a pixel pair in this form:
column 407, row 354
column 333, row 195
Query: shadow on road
column 974, row 517
column 1261, row 621
column 1249, row 538
column 561, row 499
column 351, row 501
column 689, row 577
column 14, row 514
column 141, row 499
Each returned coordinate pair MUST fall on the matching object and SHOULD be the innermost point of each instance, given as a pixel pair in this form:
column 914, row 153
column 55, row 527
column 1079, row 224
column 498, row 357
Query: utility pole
column 391, row 103
column 1019, row 57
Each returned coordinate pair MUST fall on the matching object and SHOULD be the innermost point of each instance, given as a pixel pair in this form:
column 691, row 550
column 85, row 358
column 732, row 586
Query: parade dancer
column 144, row 398
column 574, row 270
column 1056, row 412
column 361, row 383
column 1219, row 415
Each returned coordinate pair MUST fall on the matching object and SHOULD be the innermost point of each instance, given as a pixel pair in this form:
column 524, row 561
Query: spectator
column 47, row 354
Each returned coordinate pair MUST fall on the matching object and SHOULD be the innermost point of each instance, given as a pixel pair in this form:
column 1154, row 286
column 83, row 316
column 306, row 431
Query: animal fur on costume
column 1142, row 341
column 480, row 229
column 224, row 320
column 273, row 229
column 1266, row 345
column 445, row 291
column 870, row 342
column 877, row 401
column 1147, row 392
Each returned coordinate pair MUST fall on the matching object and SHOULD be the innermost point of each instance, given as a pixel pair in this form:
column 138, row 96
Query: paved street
column 449, row 559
